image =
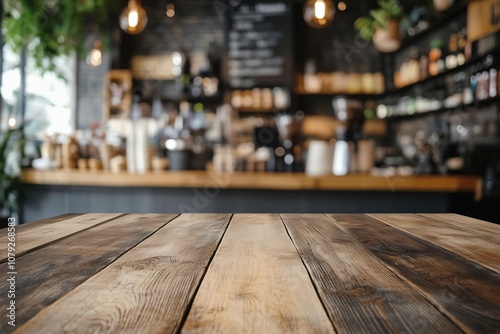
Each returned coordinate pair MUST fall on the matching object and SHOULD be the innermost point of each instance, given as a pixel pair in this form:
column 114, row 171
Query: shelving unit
column 473, row 61
column 463, row 107
column 440, row 20
column 331, row 94
column 117, row 85
column 439, row 81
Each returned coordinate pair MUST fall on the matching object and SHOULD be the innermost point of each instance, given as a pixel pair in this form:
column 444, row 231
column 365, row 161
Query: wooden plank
column 39, row 235
column 482, row 249
column 474, row 225
column 257, row 284
column 46, row 221
column 45, row 275
column 360, row 294
column 147, row 290
column 465, row 292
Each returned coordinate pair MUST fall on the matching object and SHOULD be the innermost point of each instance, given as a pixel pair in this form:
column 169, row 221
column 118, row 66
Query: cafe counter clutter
column 197, row 139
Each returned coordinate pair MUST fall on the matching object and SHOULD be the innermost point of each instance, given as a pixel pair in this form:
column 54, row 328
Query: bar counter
column 254, row 273
column 54, row 192
column 264, row 181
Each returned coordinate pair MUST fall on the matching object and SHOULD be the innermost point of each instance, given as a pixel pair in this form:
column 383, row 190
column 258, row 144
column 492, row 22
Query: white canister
column 319, row 158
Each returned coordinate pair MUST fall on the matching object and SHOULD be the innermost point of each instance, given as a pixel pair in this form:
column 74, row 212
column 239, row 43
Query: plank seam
column 316, row 289
column 187, row 310
column 62, row 238
column 415, row 287
column 106, row 266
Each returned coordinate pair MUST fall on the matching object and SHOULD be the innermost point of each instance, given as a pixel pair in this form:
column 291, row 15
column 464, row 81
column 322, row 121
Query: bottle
column 461, row 47
column 483, row 83
column 341, row 154
column 424, row 67
column 493, row 82
column 435, row 54
column 451, row 59
column 186, row 74
column 414, row 67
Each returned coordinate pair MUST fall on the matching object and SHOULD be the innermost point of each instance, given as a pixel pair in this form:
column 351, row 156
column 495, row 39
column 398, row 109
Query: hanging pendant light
column 133, row 18
column 170, row 10
column 94, row 57
column 318, row 13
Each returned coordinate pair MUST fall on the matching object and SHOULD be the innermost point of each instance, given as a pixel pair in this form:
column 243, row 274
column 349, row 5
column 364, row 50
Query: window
column 10, row 89
column 49, row 99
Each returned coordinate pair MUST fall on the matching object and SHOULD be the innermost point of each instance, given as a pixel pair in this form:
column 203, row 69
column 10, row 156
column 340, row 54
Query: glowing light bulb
column 133, row 18
column 319, row 9
column 318, row 13
column 170, row 10
column 94, row 58
column 12, row 122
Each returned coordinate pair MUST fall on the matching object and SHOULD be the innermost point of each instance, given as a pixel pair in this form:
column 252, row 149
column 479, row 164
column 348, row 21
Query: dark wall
column 90, row 88
column 336, row 47
column 195, row 27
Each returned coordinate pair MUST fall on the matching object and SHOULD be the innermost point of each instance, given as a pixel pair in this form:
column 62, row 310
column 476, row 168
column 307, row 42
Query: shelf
column 192, row 99
column 457, row 69
column 463, row 107
column 255, row 110
column 438, row 21
column 331, row 94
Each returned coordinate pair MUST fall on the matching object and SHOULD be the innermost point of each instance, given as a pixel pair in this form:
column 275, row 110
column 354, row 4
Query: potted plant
column 382, row 26
column 11, row 142
column 52, row 28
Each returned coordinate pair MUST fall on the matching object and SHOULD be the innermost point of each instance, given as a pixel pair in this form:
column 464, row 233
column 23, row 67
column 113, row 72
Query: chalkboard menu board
column 259, row 44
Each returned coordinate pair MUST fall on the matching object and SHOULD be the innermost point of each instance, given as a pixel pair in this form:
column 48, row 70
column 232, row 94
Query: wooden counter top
column 254, row 273
column 271, row 181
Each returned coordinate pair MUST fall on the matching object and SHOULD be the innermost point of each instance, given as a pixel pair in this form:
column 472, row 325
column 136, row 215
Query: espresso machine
column 289, row 132
column 350, row 114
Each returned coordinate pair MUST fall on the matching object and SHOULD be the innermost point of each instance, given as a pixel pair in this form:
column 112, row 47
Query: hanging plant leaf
column 380, row 17
column 52, row 28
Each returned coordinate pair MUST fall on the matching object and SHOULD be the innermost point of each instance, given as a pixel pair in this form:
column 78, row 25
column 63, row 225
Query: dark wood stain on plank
column 466, row 292
column 481, row 249
column 147, row 290
column 360, row 294
column 38, row 236
column 45, row 275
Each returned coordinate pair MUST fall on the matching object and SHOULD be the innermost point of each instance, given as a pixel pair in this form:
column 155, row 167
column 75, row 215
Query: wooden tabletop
column 271, row 181
column 254, row 273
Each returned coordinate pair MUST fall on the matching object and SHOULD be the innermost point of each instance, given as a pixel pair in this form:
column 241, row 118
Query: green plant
column 52, row 28
column 379, row 18
column 10, row 180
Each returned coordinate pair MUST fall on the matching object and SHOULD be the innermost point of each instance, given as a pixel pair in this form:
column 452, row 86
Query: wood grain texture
column 464, row 291
column 38, row 235
column 147, row 290
column 257, row 284
column 45, row 275
column 473, row 224
column 360, row 294
column 481, row 249
column 46, row 221
column 277, row 181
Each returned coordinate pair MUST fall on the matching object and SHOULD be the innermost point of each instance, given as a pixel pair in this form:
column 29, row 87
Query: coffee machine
column 350, row 114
